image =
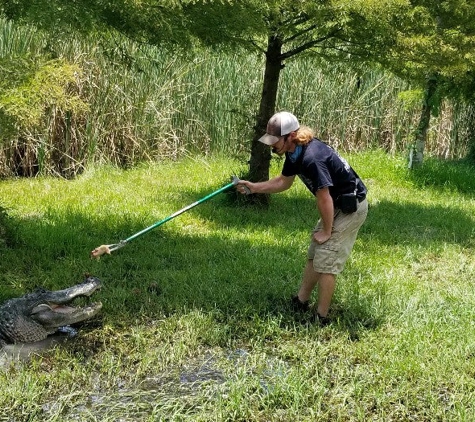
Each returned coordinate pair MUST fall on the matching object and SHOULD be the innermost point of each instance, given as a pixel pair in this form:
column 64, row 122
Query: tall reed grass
column 147, row 104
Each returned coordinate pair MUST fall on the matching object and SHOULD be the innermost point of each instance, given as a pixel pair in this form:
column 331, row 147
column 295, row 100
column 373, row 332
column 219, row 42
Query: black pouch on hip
column 348, row 203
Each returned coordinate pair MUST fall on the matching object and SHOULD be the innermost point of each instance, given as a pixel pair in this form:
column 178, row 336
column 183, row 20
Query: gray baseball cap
column 280, row 124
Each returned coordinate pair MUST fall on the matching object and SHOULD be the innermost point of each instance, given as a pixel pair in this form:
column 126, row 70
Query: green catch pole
column 107, row 249
column 176, row 214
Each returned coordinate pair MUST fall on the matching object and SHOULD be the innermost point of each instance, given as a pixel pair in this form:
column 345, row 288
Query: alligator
column 34, row 316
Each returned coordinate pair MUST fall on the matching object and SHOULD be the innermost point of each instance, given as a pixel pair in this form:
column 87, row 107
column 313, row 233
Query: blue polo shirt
column 319, row 166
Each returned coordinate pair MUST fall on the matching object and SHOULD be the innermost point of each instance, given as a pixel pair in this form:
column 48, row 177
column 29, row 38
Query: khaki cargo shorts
column 331, row 256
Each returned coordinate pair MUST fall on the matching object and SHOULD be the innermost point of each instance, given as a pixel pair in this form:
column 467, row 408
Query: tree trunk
column 471, row 131
column 259, row 162
column 416, row 154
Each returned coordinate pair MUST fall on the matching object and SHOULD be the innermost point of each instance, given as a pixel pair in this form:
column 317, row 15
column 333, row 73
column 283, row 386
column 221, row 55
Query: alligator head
column 34, row 316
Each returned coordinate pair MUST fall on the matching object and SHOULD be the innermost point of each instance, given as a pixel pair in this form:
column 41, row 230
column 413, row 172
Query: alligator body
column 36, row 315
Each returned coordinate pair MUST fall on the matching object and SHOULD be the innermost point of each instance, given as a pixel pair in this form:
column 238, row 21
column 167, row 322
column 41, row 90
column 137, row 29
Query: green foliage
column 435, row 37
column 39, row 88
column 234, row 23
column 147, row 104
column 411, row 98
column 416, row 40
column 413, row 40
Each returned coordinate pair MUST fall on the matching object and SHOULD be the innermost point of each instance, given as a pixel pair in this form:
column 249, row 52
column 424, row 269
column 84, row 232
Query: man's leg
column 309, row 281
column 326, row 288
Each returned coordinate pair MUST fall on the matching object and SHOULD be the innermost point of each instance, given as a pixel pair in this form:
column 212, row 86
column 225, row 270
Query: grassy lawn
column 195, row 324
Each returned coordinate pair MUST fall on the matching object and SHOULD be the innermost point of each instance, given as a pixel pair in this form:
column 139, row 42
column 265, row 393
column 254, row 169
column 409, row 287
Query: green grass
column 194, row 325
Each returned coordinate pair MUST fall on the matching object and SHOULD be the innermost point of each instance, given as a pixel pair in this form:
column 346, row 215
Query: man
column 341, row 202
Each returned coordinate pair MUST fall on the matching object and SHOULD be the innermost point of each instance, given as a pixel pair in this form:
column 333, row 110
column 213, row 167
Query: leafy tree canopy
column 414, row 38
column 435, row 38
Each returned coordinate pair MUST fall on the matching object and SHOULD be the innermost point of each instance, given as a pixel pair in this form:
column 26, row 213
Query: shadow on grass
column 458, row 175
column 418, row 225
column 388, row 222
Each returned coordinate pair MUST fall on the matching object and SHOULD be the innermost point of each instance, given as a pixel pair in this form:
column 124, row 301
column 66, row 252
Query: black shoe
column 299, row 306
column 322, row 320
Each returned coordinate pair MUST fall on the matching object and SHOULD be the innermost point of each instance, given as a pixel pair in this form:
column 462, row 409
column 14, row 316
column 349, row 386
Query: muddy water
column 13, row 353
column 191, row 385
column 197, row 382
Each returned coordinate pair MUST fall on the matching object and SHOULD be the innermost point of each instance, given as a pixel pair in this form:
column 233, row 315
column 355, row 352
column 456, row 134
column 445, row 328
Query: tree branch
column 309, row 44
column 298, row 34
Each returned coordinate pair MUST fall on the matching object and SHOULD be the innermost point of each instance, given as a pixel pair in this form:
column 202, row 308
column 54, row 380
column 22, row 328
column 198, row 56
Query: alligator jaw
column 66, row 296
column 56, row 309
column 57, row 315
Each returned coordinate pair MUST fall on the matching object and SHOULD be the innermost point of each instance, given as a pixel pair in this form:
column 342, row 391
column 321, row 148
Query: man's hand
column 244, row 187
column 321, row 237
